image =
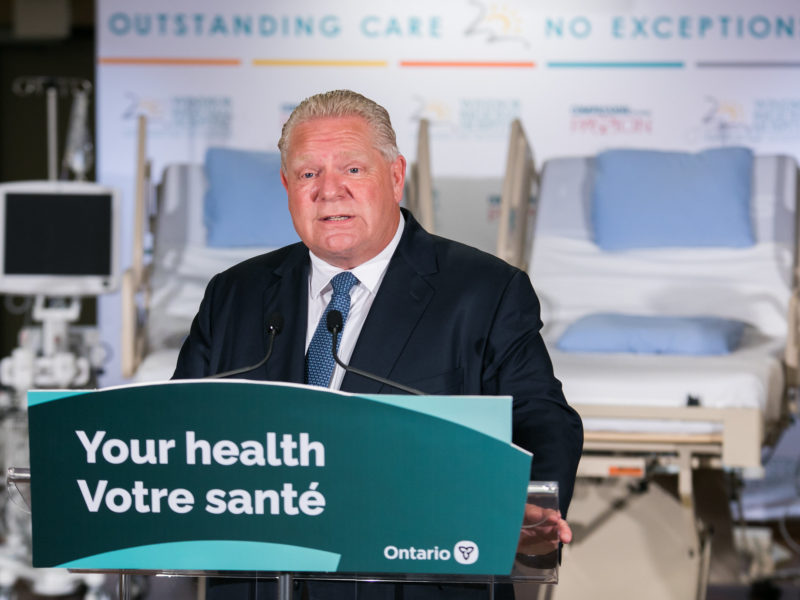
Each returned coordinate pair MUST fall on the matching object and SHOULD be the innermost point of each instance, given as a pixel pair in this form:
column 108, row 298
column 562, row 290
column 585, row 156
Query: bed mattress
column 157, row 366
column 750, row 377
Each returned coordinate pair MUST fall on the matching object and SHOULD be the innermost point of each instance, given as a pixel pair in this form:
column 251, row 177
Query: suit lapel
column 402, row 299
column 288, row 296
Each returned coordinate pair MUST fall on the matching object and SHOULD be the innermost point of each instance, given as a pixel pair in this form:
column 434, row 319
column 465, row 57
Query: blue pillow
column 245, row 203
column 650, row 199
column 606, row 332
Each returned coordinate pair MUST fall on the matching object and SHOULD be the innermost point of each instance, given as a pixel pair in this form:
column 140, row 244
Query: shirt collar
column 369, row 273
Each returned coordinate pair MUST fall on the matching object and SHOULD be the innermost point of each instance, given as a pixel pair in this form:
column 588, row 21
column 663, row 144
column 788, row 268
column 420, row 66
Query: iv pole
column 52, row 88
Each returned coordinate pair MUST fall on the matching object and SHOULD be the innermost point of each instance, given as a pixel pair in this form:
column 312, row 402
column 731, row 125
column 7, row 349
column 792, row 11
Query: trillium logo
column 466, row 552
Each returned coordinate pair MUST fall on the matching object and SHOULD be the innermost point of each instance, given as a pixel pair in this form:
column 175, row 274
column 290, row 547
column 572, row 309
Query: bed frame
column 136, row 278
column 621, row 498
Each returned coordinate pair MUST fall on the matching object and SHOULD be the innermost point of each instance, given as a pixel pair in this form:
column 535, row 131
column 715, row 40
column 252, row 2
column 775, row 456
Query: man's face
column 344, row 195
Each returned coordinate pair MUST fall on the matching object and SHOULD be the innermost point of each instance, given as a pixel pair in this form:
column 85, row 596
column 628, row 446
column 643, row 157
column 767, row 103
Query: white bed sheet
column 574, row 278
column 750, row 377
column 179, row 282
column 157, row 366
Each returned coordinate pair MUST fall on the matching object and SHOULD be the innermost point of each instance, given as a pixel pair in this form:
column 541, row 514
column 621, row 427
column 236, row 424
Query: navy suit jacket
column 447, row 319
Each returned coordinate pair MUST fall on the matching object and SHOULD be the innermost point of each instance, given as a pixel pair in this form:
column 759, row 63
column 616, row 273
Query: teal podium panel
column 242, row 475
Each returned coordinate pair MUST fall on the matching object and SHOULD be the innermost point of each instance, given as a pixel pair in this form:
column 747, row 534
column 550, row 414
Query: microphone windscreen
column 275, row 323
column 334, row 321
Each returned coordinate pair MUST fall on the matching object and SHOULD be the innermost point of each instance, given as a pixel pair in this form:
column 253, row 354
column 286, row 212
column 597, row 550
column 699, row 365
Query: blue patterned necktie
column 319, row 360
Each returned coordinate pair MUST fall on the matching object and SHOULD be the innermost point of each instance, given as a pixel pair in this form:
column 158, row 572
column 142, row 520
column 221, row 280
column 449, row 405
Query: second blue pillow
column 651, row 199
column 608, row 332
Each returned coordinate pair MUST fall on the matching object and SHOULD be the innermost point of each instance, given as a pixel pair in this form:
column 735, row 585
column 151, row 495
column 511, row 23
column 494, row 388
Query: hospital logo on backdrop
column 468, row 118
column 610, row 120
column 728, row 121
column 777, row 118
column 209, row 117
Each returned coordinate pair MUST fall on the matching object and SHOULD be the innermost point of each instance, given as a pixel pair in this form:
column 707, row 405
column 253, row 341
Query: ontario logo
column 464, row 552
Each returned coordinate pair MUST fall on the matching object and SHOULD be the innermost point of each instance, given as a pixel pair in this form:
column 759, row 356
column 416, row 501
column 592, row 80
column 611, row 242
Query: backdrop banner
column 582, row 76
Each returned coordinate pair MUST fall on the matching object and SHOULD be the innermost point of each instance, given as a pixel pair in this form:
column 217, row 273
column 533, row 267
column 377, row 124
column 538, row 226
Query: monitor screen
column 58, row 238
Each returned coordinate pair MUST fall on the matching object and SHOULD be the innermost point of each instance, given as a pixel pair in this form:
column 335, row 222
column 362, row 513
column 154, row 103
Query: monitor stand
column 50, row 355
column 45, row 358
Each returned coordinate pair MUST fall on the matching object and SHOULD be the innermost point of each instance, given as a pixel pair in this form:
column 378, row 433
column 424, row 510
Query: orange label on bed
column 625, row 472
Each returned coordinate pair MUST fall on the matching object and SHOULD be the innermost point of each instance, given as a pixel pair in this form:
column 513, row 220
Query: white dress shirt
column 370, row 275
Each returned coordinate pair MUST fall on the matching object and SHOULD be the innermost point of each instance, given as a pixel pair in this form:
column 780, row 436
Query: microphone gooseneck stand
column 274, row 327
column 335, row 324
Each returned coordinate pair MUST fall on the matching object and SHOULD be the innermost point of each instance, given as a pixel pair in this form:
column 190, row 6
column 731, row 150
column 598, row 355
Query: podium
column 256, row 479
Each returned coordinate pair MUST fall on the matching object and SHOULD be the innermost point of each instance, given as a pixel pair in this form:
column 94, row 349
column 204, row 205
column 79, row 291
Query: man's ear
column 284, row 181
column 398, row 169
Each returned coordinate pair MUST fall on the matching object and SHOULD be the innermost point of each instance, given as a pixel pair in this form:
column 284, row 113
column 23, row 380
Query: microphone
column 335, row 325
column 274, row 327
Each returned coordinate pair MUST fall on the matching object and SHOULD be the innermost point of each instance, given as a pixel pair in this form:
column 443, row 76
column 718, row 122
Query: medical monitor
column 58, row 238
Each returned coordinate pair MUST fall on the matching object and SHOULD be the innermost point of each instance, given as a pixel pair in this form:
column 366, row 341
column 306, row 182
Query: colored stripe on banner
column 467, row 63
column 614, row 65
column 264, row 62
column 170, row 62
column 748, row 64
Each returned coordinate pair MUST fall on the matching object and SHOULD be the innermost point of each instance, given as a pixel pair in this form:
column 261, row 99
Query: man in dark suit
column 420, row 310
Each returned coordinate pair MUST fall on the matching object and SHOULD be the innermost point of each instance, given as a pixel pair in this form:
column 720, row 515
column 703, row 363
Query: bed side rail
column 520, row 180
column 792, row 354
column 419, row 188
column 136, row 278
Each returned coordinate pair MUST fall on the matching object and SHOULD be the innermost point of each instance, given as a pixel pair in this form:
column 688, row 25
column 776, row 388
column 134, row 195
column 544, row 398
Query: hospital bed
column 202, row 219
column 656, row 405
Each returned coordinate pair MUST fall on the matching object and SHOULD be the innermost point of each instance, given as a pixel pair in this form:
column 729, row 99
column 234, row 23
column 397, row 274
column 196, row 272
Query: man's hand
column 542, row 530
